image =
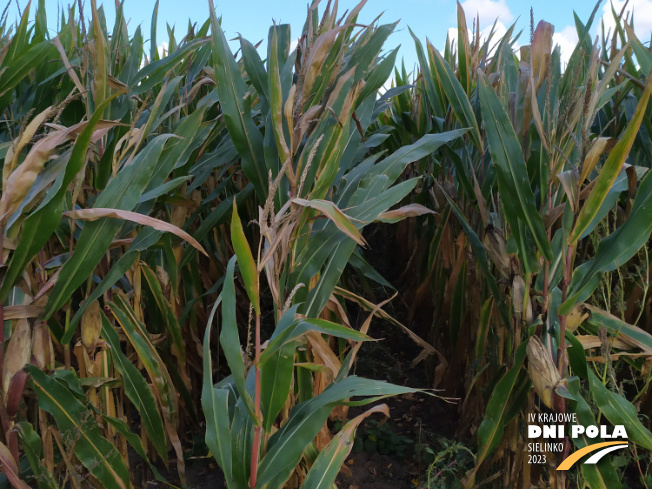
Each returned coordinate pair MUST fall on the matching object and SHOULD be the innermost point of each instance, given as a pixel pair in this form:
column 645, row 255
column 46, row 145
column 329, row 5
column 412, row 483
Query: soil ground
column 419, row 419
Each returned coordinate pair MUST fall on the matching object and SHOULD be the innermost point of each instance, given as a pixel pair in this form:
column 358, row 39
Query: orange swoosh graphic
column 568, row 463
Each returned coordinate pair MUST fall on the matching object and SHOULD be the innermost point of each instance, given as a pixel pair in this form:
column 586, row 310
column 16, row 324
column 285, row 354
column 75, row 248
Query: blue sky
column 431, row 18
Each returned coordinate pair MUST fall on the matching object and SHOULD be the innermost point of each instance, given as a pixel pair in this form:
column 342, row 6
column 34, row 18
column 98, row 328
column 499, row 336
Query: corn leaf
column 619, row 411
column 246, row 261
column 137, row 391
column 229, row 338
column 307, row 418
column 324, row 470
column 513, row 180
column 80, row 431
column 611, row 168
column 457, row 97
column 97, row 213
column 122, row 193
column 42, row 222
column 616, row 249
column 506, row 392
column 235, row 100
column 215, row 403
column 596, row 475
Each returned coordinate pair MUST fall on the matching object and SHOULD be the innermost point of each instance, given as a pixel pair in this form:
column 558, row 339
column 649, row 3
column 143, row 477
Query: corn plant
column 99, row 145
column 145, row 194
column 266, row 422
column 512, row 261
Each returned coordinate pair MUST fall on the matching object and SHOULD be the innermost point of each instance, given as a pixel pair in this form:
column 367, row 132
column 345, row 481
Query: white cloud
column 489, row 10
column 566, row 40
column 163, row 49
column 452, row 35
column 642, row 16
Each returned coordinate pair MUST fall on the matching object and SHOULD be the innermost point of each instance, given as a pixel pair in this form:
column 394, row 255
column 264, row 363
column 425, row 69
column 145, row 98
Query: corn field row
column 184, row 241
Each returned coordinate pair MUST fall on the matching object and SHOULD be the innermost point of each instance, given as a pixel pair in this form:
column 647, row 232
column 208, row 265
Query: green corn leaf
column 19, row 41
column 513, row 180
column 158, row 373
column 229, row 338
column 616, row 249
column 433, row 92
column 643, row 55
column 157, row 71
column 242, row 431
column 276, row 96
column 215, row 403
column 235, row 99
column 246, row 261
column 146, row 238
column 153, row 47
column 611, row 168
column 163, row 189
column 306, row 419
column 464, row 49
column 136, row 443
column 137, row 390
column 43, row 221
column 597, row 476
column 327, row 465
column 15, row 71
column 329, row 139
column 619, row 411
column 172, row 324
column 379, row 76
column 456, row 96
column 33, row 446
column 80, row 431
column 122, row 193
column 285, row 335
column 276, row 376
column 100, row 78
column 256, row 70
column 492, row 429
column 393, row 165
column 139, row 338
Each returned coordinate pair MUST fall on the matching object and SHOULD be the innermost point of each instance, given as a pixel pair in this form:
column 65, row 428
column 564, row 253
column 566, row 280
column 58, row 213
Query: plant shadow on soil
column 414, row 429
column 419, row 424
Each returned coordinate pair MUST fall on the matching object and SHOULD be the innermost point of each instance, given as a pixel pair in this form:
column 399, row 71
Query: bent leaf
column 98, row 213
column 611, row 168
column 80, row 431
column 334, row 214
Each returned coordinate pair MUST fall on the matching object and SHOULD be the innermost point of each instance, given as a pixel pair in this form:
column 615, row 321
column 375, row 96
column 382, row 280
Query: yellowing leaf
column 332, row 212
column 18, row 352
column 410, row 210
column 611, row 168
column 592, row 157
column 246, row 261
column 99, row 212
